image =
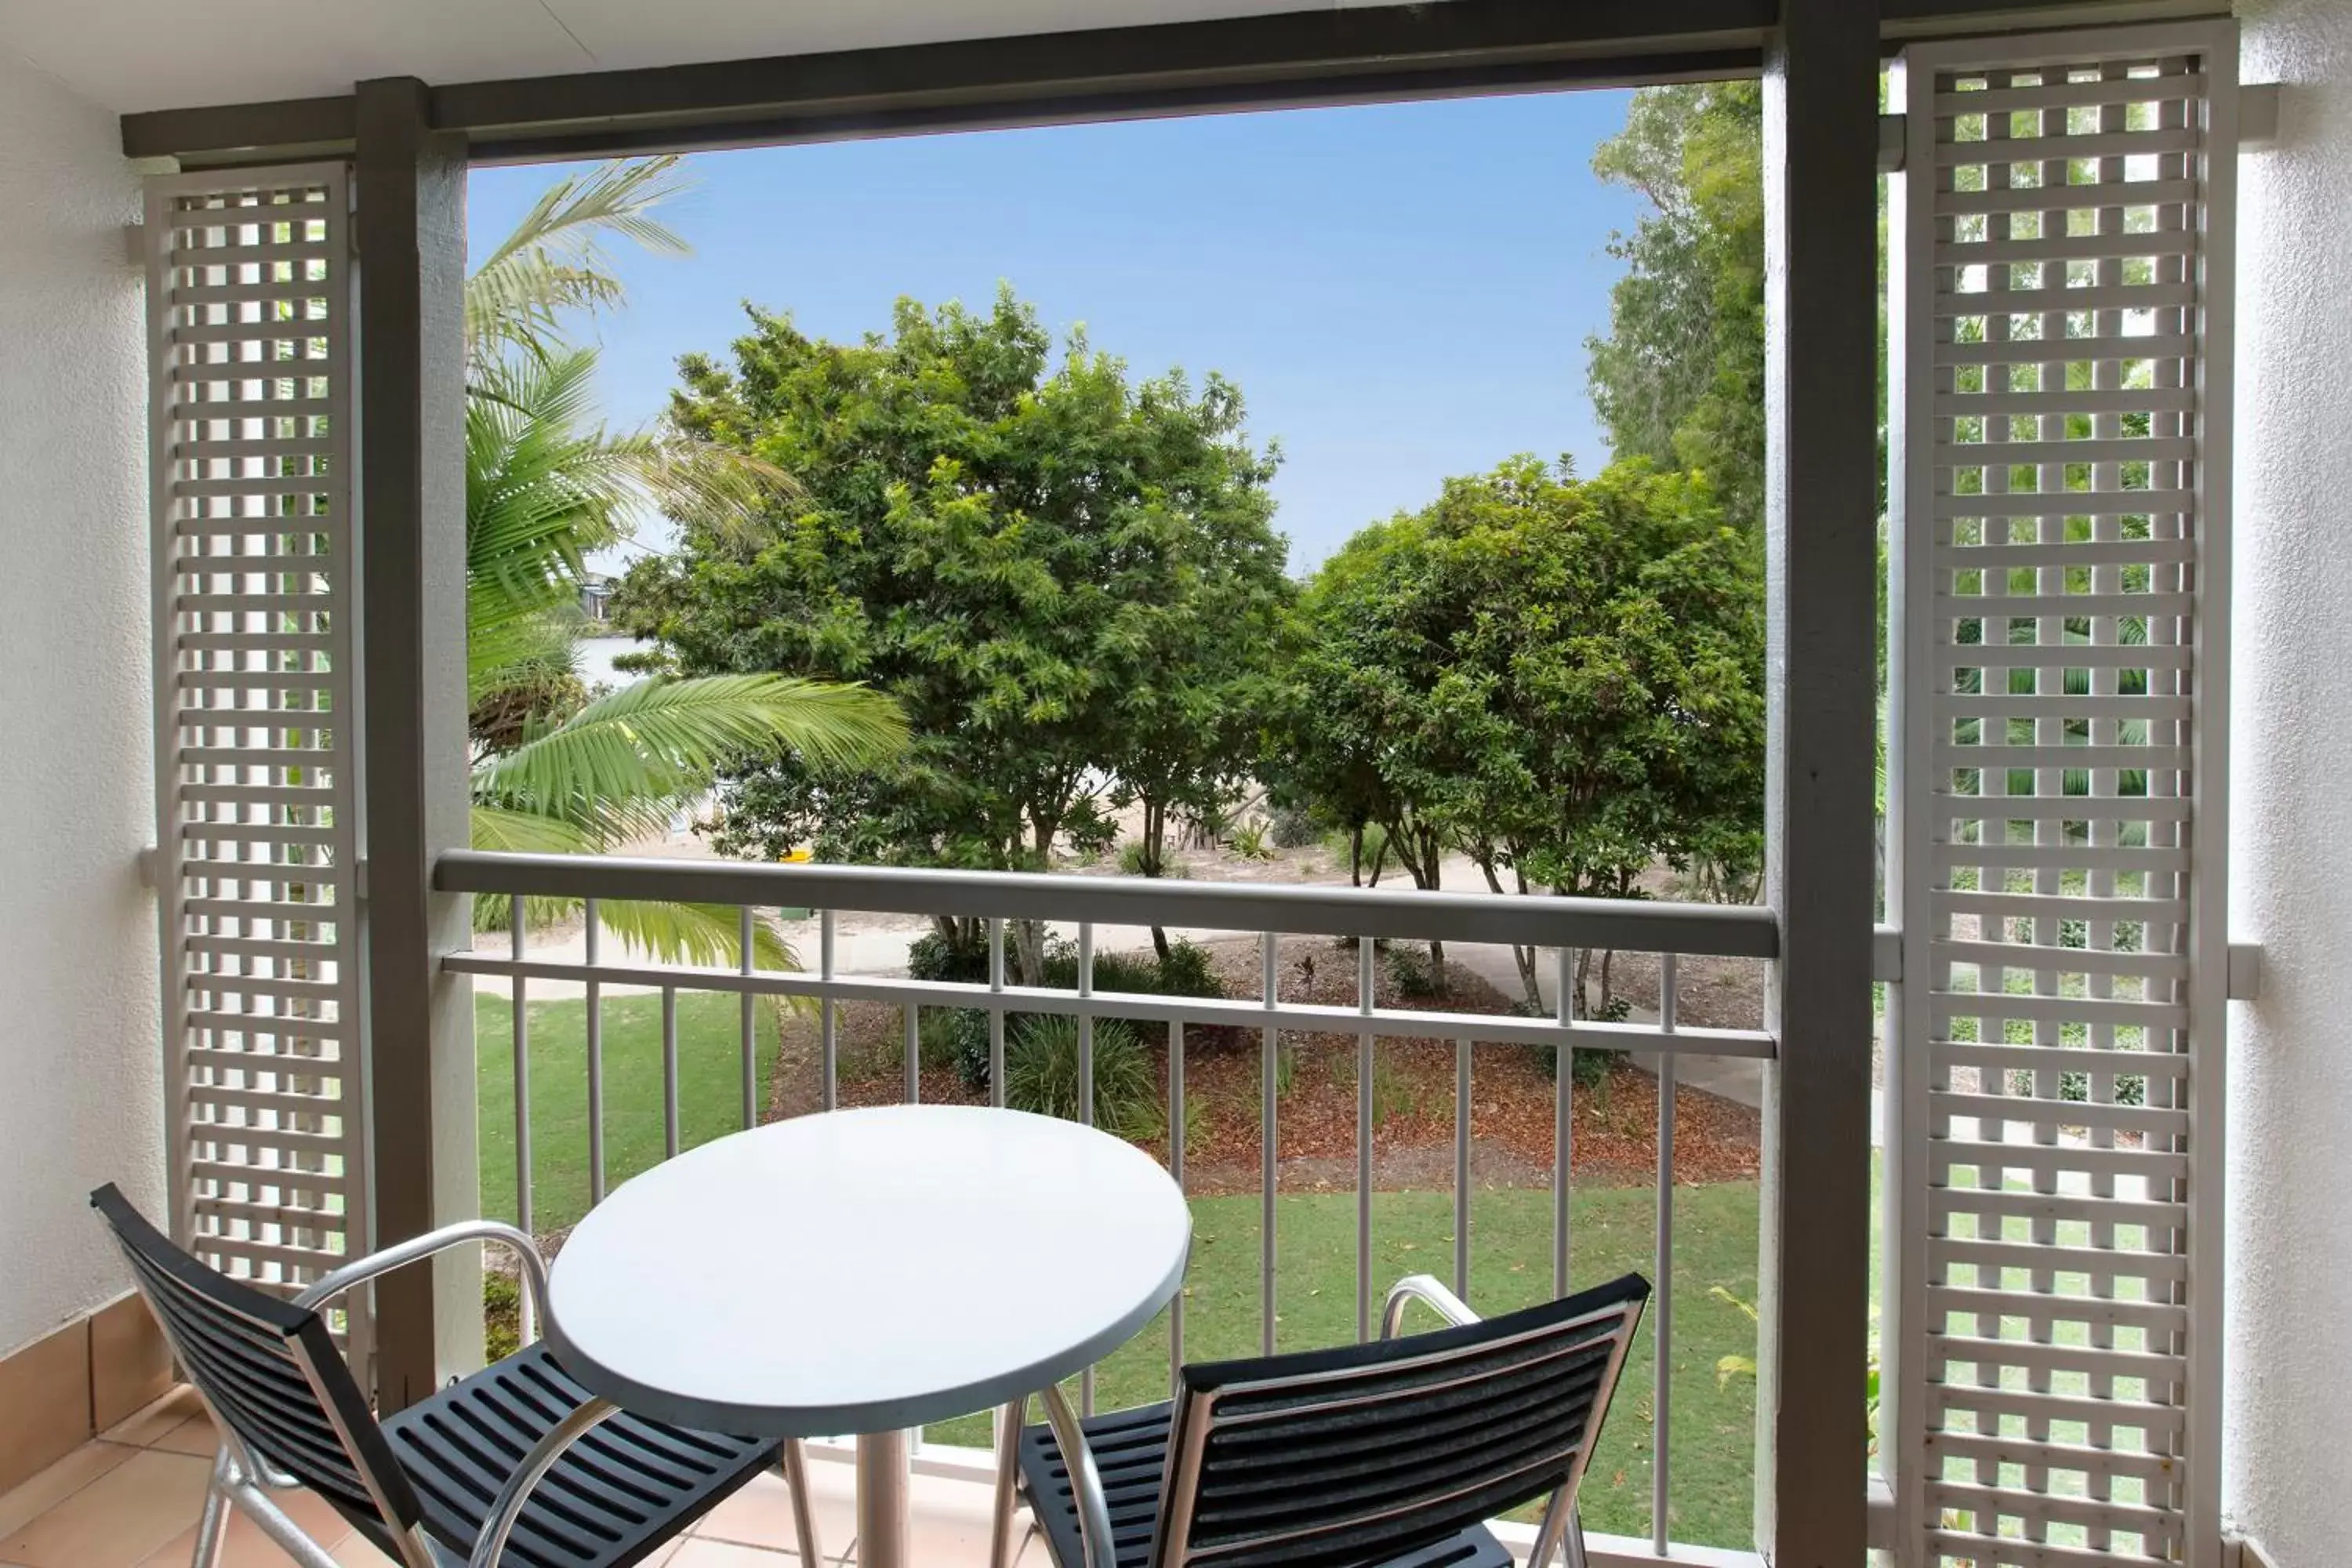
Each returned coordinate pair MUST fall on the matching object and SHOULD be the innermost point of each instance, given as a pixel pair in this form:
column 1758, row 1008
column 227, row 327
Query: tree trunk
column 1356, row 855
column 1523, row 958
column 1155, row 837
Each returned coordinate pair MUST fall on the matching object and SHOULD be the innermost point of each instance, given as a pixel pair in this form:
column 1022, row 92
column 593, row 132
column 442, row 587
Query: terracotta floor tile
column 60, row 1481
column 357, row 1551
column 761, row 1513
column 194, row 1436
column 116, row 1519
column 247, row 1547
column 159, row 1419
column 701, row 1553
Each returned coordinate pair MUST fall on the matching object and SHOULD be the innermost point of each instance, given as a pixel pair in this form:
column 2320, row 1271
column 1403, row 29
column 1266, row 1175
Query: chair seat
column 1131, row 1451
column 620, row 1493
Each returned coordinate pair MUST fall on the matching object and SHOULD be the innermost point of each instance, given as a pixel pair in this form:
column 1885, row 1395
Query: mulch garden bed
column 1513, row 1093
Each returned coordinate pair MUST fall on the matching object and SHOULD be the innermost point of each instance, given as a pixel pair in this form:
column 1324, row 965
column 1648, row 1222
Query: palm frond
column 528, row 833
column 554, row 261
column 703, row 934
column 645, row 748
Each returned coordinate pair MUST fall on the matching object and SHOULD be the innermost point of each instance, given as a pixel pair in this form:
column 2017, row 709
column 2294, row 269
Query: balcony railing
column 1557, row 928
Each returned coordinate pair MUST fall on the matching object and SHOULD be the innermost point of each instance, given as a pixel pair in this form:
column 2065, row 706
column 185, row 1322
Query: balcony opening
column 1234, row 520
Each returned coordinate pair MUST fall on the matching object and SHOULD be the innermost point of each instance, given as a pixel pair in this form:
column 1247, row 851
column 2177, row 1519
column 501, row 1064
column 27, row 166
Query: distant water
column 594, row 657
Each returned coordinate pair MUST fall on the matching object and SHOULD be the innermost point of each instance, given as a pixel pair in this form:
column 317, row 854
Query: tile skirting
column 74, row 1383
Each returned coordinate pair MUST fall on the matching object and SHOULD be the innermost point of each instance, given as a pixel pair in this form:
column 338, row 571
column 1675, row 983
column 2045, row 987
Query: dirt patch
column 1513, row 1095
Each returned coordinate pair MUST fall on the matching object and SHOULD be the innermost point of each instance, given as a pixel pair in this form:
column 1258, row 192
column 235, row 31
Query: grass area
column 710, row 1092
column 1315, row 1237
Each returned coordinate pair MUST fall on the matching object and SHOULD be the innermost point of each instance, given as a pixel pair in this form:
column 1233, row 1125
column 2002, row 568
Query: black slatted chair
column 1391, row 1453
column 423, row 1485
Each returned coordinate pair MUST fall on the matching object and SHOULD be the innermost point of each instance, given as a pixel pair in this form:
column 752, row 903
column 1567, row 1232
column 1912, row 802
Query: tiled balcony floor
column 130, row 1499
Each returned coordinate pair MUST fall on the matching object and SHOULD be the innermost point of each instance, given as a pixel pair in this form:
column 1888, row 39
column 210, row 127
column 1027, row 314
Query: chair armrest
column 400, row 1254
column 1425, row 1289
column 1085, row 1481
column 490, row 1546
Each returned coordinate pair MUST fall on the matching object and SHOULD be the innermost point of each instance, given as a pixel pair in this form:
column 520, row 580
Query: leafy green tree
column 1058, row 572
column 1562, row 679
column 554, row 771
column 1680, row 377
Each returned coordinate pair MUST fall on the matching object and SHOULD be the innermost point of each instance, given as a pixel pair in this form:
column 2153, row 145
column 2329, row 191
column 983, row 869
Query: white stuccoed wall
column 79, row 1073
column 2289, row 1443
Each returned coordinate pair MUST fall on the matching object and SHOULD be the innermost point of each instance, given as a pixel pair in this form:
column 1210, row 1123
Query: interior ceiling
column 249, row 52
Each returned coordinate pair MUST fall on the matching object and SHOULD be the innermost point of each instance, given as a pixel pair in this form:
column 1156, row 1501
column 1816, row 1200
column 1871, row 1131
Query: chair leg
column 1008, row 1482
column 213, row 1525
column 1573, row 1540
column 796, row 1479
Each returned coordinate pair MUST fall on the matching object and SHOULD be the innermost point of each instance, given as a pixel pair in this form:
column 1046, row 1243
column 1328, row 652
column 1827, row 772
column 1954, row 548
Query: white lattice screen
column 249, row 311
column 2060, row 268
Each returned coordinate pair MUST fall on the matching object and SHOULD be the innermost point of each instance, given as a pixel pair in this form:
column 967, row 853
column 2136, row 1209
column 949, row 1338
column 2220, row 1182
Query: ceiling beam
column 1327, row 56
column 1342, row 55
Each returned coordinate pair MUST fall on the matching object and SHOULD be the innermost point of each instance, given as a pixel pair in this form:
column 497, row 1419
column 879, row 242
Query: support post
column 1820, row 145
column 410, row 231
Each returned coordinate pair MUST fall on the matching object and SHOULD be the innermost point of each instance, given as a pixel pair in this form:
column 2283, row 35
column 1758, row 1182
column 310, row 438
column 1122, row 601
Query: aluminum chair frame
column 243, row 1481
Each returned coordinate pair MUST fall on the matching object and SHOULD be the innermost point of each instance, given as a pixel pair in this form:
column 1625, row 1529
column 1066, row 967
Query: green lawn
column 709, row 1083
column 1714, row 1426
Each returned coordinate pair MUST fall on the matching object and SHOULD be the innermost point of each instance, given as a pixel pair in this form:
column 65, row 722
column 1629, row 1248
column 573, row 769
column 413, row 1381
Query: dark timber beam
column 1309, row 55
column 1820, row 206
column 1332, row 55
column 411, row 192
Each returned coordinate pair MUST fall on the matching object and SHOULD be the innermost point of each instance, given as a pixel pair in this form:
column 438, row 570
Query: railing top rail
column 1631, row 925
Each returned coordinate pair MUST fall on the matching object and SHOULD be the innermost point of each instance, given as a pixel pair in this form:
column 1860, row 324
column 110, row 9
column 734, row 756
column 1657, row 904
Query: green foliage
column 1135, row 858
column 544, row 486
column 937, row 1039
column 967, row 1040
column 1412, row 973
column 1680, row 377
column 934, row 956
column 1293, row 827
column 1041, row 1062
column 501, row 1315
column 1563, row 678
column 1252, row 841
column 1062, row 574
column 963, row 1032
column 1185, row 972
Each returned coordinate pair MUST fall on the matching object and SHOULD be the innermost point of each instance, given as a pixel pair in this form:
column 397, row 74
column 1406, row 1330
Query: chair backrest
column 1370, row 1452
column 271, row 1373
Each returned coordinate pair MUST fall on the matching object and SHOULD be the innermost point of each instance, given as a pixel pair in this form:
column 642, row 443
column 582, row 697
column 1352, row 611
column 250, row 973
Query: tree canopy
column 1066, row 575
column 1562, row 679
column 1679, row 379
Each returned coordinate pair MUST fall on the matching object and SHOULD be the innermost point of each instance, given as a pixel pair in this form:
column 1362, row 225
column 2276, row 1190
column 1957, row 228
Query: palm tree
column 545, row 485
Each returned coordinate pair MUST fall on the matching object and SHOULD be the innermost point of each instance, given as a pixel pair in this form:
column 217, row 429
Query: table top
column 867, row 1270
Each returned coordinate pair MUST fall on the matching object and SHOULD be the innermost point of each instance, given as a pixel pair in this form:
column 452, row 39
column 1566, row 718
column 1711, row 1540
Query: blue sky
column 1401, row 292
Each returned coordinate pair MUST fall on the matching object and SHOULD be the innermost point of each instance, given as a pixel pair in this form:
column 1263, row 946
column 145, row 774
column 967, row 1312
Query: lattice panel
column 249, row 306
column 2064, row 538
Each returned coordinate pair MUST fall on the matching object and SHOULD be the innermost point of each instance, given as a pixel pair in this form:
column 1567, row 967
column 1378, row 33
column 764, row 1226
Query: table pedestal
column 884, row 1519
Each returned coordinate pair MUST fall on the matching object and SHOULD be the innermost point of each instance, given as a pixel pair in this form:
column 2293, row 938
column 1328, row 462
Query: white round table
column 866, row 1271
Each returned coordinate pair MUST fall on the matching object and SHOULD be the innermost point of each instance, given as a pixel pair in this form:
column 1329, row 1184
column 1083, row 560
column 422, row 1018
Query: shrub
column 1591, row 1067
column 933, row 957
column 1251, row 841
column 1130, row 858
column 1185, row 972
column 1136, row 973
column 1412, row 973
column 1292, row 828
column 967, row 1043
column 1151, row 1119
column 1041, row 1071
column 501, row 1315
